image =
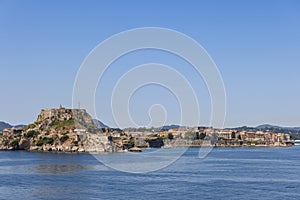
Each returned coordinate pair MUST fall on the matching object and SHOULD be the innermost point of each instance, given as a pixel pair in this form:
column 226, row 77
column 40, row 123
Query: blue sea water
column 226, row 173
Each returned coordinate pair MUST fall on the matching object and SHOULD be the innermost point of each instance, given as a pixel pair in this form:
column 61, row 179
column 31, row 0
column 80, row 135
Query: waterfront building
column 6, row 132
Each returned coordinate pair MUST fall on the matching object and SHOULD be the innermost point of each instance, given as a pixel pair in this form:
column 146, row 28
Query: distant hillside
column 4, row 125
column 293, row 131
column 100, row 124
column 272, row 127
column 168, row 127
column 268, row 126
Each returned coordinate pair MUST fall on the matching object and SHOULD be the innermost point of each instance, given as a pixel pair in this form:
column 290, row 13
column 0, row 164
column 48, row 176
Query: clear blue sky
column 255, row 44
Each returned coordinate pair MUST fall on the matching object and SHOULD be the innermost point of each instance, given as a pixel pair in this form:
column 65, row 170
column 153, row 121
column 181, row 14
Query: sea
column 225, row 173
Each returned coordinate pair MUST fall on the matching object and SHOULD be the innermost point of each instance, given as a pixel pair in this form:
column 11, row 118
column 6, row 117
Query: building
column 16, row 130
column 81, row 134
column 227, row 134
column 6, row 132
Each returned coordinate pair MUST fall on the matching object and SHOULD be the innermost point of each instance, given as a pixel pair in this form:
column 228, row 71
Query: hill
column 168, row 127
column 4, row 125
column 62, row 129
column 100, row 124
column 293, row 131
column 267, row 126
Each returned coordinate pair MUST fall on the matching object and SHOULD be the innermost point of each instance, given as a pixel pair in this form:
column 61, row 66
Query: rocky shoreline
column 59, row 130
column 74, row 131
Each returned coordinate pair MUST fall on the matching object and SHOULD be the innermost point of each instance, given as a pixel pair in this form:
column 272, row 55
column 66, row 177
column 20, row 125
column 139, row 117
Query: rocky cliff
column 61, row 129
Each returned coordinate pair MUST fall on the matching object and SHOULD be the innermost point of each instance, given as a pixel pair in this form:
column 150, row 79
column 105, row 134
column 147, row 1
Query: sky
column 255, row 45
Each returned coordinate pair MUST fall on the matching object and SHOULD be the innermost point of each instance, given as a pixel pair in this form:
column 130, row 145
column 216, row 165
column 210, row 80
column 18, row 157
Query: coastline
column 142, row 149
column 75, row 131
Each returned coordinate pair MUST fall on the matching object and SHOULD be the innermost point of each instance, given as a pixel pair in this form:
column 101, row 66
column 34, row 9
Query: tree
column 170, row 136
column 202, row 136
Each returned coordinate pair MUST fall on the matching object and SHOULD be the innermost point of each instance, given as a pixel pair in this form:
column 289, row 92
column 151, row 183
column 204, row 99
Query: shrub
column 162, row 137
column 64, row 138
column 45, row 140
column 63, row 124
column 31, row 126
column 5, row 142
column 65, row 133
column 170, row 136
column 75, row 143
column 131, row 141
column 32, row 133
column 15, row 143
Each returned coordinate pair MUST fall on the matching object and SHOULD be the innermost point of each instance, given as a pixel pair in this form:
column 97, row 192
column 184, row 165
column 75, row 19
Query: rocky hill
column 61, row 129
column 100, row 124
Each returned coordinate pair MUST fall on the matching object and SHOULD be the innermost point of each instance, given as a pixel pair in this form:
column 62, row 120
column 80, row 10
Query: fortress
column 59, row 129
column 63, row 114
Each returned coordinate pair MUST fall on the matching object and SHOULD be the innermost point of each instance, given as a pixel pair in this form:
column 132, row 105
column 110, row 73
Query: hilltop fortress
column 61, row 129
column 79, row 117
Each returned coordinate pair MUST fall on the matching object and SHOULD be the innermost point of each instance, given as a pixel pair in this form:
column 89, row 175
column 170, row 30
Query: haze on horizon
column 255, row 45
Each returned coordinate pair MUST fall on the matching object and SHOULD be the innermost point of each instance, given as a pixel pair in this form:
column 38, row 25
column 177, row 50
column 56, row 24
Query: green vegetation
column 162, row 137
column 66, row 133
column 69, row 124
column 15, row 143
column 170, row 136
column 45, row 140
column 32, row 133
column 31, row 126
column 75, row 143
column 122, row 134
column 5, row 142
column 131, row 141
column 47, row 132
column 65, row 124
column 64, row 138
